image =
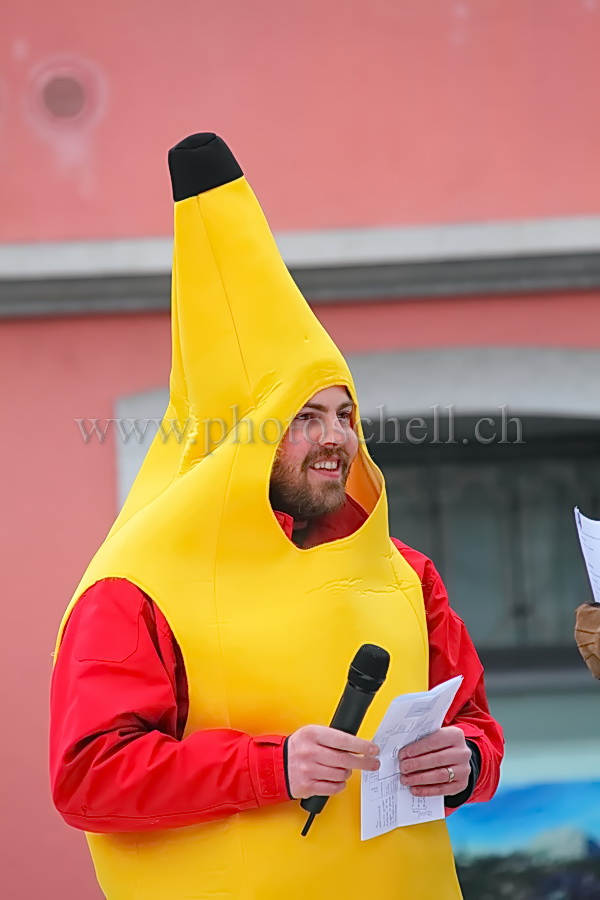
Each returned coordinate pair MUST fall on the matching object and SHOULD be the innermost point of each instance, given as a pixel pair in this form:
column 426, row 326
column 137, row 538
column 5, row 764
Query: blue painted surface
column 519, row 817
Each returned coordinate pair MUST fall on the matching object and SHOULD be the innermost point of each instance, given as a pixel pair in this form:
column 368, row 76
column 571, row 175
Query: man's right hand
column 320, row 760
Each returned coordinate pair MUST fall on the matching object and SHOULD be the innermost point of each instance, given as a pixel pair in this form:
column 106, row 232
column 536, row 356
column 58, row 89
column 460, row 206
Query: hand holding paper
column 437, row 765
column 386, row 802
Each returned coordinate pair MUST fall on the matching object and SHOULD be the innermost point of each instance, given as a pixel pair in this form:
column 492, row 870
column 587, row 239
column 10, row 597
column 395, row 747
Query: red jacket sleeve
column 117, row 759
column 451, row 652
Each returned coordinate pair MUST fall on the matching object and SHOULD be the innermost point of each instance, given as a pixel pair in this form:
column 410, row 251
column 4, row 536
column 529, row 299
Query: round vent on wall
column 65, row 94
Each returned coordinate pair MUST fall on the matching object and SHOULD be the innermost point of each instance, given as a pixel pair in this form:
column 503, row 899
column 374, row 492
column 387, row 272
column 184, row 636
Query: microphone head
column 369, row 668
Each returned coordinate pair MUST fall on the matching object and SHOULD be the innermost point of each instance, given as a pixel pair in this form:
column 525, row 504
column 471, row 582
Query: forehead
column 331, row 397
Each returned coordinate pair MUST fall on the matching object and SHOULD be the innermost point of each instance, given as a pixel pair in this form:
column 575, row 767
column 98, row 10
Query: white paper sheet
column 589, row 538
column 385, row 802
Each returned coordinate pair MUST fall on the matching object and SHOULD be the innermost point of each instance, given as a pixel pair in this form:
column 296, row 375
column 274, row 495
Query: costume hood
column 247, row 351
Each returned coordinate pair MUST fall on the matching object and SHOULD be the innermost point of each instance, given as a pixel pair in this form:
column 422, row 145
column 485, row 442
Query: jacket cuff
column 267, row 769
column 453, row 801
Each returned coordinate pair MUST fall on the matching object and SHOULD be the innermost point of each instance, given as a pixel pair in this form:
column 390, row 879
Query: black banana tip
column 200, row 163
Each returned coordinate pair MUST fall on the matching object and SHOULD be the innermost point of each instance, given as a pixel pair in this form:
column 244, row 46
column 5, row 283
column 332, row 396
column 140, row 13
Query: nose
column 332, row 433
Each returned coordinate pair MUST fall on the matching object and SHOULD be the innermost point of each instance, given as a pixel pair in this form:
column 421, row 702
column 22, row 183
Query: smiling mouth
column 330, row 468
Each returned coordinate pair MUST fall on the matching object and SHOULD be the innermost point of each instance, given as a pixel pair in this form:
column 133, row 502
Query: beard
column 292, row 492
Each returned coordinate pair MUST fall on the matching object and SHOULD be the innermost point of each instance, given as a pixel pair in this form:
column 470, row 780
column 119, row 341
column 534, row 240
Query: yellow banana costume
column 253, row 614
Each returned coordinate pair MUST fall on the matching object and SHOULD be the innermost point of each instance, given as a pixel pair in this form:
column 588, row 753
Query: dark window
column 497, row 520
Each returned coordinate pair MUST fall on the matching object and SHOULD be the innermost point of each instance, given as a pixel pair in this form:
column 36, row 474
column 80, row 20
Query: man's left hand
column 427, row 765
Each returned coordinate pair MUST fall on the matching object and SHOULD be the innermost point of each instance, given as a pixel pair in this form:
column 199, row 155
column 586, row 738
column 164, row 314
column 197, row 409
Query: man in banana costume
column 207, row 643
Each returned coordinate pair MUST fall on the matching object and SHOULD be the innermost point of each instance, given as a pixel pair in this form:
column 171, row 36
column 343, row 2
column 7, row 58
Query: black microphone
column 365, row 676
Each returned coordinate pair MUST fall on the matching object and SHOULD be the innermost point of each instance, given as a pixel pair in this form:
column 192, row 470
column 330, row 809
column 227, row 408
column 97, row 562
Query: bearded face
column 313, row 461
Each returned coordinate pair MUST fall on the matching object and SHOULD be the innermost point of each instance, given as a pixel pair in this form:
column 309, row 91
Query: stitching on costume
column 218, row 623
column 174, row 393
column 175, row 309
column 235, row 331
column 217, row 542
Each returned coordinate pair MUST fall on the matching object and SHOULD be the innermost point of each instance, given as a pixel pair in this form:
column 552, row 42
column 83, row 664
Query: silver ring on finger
column 451, row 775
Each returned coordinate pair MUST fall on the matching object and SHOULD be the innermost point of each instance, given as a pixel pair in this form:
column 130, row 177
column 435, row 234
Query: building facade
column 430, row 174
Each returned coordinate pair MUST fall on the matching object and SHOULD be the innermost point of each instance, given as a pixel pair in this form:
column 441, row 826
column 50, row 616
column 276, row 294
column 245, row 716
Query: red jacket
column 119, row 705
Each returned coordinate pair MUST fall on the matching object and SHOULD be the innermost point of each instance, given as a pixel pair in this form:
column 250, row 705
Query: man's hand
column 320, row 760
column 587, row 635
column 424, row 765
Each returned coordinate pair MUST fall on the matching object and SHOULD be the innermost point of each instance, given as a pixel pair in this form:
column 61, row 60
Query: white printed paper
column 589, row 538
column 385, row 802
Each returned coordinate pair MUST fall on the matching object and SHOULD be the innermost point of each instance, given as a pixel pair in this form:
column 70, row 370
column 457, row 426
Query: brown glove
column 587, row 635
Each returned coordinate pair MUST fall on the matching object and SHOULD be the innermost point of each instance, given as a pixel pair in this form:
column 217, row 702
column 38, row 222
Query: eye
column 304, row 417
column 345, row 415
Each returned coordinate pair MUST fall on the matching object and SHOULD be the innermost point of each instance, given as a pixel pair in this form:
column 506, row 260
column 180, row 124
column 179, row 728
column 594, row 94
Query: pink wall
column 562, row 320
column 384, row 113
column 62, row 494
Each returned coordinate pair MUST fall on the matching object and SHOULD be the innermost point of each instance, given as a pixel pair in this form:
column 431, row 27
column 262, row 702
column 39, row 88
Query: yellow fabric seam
column 233, row 323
